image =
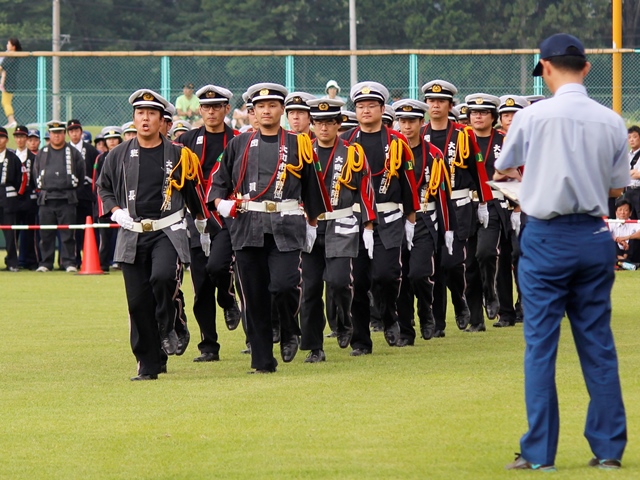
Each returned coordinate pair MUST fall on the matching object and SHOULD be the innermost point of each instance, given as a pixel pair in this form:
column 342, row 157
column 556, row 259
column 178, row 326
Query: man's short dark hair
column 569, row 63
column 634, row 129
column 623, row 201
column 337, row 118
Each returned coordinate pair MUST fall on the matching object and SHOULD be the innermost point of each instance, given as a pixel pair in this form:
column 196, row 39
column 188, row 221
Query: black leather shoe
column 605, row 463
column 169, row 343
column 139, row 378
column 501, row 323
column 519, row 312
column 232, row 316
column 183, row 341
column 463, row 319
column 288, row 349
column 344, row 338
column 438, row 334
column 357, row 352
column 404, row 342
column 163, row 368
column 315, row 356
column 377, row 326
column 492, row 308
column 427, row 332
column 476, row 328
column 246, row 351
column 207, row 357
column 275, row 333
column 392, row 334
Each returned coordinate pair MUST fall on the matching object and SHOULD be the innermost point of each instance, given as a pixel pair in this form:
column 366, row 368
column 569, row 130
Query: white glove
column 205, row 242
column 201, row 225
column 312, row 233
column 409, row 230
column 367, row 238
column 483, row 215
column 225, row 207
column 515, row 222
column 448, row 241
column 122, row 218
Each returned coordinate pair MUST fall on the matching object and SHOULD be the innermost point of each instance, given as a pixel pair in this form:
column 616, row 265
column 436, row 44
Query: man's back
column 575, row 150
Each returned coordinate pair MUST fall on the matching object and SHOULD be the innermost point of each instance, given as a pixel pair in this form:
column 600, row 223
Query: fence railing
column 94, row 86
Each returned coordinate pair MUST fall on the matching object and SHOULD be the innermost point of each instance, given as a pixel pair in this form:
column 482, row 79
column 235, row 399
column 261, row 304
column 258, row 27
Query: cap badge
column 148, row 97
column 510, row 102
column 479, row 101
column 210, row 94
column 436, row 88
column 406, row 108
column 180, row 125
column 464, row 110
column 345, row 118
column 112, row 132
column 324, row 106
column 366, row 90
column 264, row 92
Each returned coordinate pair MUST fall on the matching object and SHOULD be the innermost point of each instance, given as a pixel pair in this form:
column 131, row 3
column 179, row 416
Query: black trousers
column 473, row 291
column 338, row 275
column 9, row 218
column 57, row 212
column 382, row 275
column 108, row 237
column 28, row 250
column 208, row 274
column 449, row 273
column 487, row 252
column 84, row 209
column 262, row 272
column 151, row 284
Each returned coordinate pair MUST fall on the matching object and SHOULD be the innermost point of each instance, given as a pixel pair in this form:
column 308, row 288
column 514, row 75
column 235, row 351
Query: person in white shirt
column 633, row 191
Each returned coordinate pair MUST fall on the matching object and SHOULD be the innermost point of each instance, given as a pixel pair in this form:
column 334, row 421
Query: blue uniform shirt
column 574, row 151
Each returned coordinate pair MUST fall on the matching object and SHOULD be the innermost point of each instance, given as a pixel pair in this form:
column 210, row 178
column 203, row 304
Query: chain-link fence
column 95, row 88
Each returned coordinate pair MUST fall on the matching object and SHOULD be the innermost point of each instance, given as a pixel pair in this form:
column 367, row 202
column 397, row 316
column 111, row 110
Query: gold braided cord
column 190, row 164
column 355, row 163
column 434, row 181
column 305, row 155
column 445, row 174
column 395, row 156
column 462, row 148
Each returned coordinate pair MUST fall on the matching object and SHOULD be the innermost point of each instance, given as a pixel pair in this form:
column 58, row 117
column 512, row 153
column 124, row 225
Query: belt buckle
column 147, row 225
column 474, row 196
column 322, row 216
column 270, row 207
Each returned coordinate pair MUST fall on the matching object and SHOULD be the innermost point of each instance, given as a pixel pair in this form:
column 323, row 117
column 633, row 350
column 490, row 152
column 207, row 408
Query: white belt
column 462, row 193
column 10, row 191
column 147, row 225
column 497, row 194
column 427, row 207
column 269, row 206
column 463, row 201
column 356, row 208
column 386, row 207
column 336, row 214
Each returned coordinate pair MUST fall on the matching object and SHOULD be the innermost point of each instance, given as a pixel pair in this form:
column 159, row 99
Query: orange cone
column 90, row 257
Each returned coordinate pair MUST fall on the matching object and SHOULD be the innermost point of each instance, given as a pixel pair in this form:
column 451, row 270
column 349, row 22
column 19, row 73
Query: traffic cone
column 90, row 257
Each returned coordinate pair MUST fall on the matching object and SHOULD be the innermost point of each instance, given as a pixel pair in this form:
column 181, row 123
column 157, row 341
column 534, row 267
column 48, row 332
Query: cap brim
column 537, row 71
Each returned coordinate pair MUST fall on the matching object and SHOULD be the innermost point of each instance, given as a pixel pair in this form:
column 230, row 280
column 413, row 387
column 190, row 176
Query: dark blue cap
column 34, row 133
column 86, row 136
column 559, row 45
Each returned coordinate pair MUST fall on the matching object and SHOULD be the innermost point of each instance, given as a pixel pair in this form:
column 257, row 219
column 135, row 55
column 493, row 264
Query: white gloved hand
column 448, row 241
column 205, row 242
column 122, row 218
column 312, row 233
column 201, row 225
column 409, row 230
column 483, row 215
column 515, row 222
column 226, row 208
column 367, row 238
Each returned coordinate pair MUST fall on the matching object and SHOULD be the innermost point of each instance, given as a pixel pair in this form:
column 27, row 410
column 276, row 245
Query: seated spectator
column 187, row 104
column 240, row 115
column 623, row 233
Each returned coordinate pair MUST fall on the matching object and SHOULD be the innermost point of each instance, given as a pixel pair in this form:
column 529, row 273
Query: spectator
column 624, row 234
column 332, row 90
column 187, row 104
column 8, row 81
column 240, row 115
column 632, row 193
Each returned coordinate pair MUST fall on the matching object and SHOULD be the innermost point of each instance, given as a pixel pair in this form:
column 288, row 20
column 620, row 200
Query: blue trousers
column 567, row 266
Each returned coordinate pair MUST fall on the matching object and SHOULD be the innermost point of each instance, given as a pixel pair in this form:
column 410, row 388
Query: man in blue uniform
column 585, row 146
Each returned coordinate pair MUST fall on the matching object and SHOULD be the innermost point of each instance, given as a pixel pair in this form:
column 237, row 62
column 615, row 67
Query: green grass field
column 449, row 408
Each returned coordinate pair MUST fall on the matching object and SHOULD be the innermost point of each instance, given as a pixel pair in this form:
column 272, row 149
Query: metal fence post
column 41, row 97
column 413, row 76
column 537, row 81
column 165, row 77
column 289, row 79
